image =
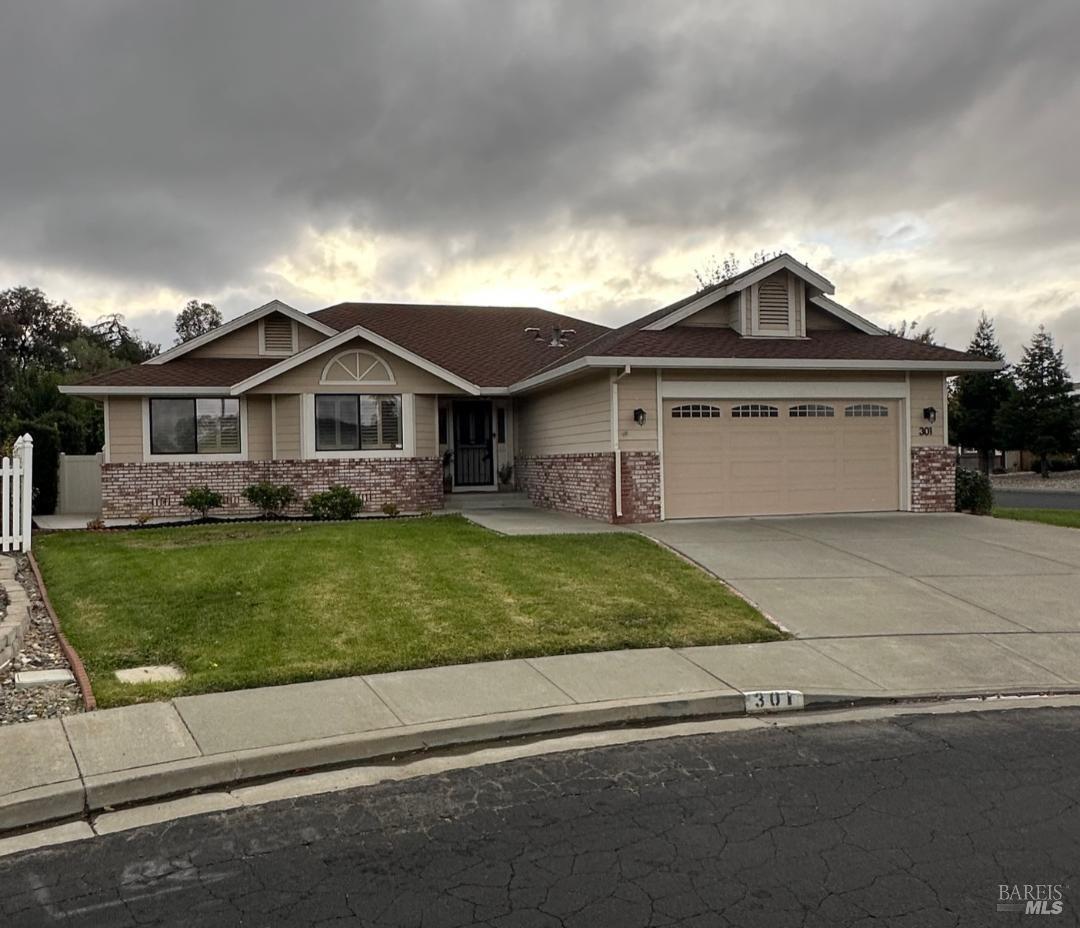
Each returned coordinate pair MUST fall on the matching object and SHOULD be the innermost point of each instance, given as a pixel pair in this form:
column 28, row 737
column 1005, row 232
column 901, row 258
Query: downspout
column 615, row 438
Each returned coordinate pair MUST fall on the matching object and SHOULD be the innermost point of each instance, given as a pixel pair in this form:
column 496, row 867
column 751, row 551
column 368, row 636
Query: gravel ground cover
column 41, row 651
column 1067, row 480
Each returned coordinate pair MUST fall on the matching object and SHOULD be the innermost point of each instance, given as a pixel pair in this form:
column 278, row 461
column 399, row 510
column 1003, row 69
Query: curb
column 77, row 668
column 87, row 795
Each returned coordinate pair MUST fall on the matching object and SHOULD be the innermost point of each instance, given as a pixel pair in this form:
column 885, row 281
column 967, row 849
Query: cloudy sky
column 581, row 156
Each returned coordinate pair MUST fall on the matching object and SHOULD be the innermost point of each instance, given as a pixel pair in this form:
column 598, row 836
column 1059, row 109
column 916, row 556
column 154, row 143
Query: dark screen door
column 473, row 460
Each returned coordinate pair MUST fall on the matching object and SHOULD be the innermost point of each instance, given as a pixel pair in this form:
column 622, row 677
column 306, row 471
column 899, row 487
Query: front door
column 473, row 459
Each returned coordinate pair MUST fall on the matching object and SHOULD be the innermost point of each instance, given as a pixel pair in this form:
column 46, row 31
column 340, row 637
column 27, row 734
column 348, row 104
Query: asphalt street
column 915, row 821
column 1036, row 499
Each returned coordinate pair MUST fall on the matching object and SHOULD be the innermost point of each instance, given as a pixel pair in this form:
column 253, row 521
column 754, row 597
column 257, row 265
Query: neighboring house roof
column 485, row 345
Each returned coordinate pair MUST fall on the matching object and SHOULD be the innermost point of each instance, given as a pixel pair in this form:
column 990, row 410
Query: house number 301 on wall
column 926, row 430
column 773, row 700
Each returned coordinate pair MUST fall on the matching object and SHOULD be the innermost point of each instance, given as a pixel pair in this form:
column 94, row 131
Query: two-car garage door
column 774, row 457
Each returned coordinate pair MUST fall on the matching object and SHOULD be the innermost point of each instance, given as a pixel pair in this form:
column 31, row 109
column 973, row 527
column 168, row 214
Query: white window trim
column 263, row 350
column 308, row 450
column 149, row 458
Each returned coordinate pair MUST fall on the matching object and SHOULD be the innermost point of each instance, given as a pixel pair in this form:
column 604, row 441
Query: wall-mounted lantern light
column 640, row 416
column 930, row 414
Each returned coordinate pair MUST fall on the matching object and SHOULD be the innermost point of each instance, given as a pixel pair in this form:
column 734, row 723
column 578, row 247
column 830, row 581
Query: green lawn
column 254, row 604
column 1069, row 518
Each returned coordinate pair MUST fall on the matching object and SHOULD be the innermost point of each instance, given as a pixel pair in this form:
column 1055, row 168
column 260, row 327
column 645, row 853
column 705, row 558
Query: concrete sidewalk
column 59, row 769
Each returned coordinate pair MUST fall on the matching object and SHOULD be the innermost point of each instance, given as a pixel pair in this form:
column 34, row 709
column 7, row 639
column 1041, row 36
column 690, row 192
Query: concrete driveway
column 893, row 574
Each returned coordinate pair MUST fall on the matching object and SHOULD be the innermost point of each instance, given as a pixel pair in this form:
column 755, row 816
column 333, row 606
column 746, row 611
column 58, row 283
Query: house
column 759, row 395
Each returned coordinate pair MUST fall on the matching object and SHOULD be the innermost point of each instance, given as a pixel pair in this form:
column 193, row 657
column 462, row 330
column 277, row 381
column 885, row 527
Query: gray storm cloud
column 187, row 145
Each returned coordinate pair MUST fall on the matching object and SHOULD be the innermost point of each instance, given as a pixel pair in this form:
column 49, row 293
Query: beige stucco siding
column 259, row 428
column 927, row 390
column 125, row 438
column 287, row 417
column 307, row 377
column 770, row 376
column 426, row 426
column 566, row 420
column 637, row 391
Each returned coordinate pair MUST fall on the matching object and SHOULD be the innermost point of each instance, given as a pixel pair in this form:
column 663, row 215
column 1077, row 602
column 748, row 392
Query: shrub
column 143, row 518
column 974, row 492
column 271, row 498
column 336, row 503
column 96, row 525
column 389, row 509
column 202, row 500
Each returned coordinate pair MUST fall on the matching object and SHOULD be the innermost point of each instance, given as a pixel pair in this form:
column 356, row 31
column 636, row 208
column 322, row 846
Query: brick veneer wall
column 640, row 486
column 412, row 484
column 582, row 484
column 933, row 478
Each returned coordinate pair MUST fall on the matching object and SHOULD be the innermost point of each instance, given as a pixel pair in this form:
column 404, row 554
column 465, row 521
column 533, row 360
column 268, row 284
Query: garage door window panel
column 696, row 411
column 866, row 411
column 754, row 411
column 811, row 411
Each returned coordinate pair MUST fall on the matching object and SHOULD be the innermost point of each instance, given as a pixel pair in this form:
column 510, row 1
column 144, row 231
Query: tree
column 910, row 330
column 977, row 398
column 196, row 319
column 717, row 272
column 1041, row 416
column 125, row 344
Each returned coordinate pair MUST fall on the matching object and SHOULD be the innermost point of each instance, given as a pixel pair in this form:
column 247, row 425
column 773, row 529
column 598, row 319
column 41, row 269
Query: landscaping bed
column 254, row 604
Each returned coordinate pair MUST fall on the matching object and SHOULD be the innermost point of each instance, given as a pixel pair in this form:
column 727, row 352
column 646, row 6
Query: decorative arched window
column 754, row 411
column 866, row 411
column 357, row 366
column 695, row 411
column 811, row 411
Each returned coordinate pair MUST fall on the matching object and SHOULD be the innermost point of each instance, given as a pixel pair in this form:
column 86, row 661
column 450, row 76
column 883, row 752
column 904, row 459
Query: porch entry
column 474, row 457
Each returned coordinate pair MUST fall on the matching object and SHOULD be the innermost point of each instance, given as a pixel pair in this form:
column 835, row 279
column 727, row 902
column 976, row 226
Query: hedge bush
column 336, row 503
column 202, row 500
column 974, row 492
column 271, row 498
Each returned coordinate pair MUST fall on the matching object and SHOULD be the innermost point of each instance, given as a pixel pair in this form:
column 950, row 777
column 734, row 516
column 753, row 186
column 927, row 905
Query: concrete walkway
column 56, row 769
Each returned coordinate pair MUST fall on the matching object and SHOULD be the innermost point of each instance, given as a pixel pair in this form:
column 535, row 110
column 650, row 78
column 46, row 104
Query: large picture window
column 357, row 422
column 190, row 425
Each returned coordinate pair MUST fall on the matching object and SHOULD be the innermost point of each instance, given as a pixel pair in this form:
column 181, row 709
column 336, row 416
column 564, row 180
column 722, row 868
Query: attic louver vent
column 773, row 303
column 278, row 335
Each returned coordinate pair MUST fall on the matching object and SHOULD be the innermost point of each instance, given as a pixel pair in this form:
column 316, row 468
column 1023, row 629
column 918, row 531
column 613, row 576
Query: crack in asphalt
column 911, row 821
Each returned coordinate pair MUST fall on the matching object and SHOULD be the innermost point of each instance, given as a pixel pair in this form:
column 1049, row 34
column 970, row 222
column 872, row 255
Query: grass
column 257, row 604
column 1068, row 518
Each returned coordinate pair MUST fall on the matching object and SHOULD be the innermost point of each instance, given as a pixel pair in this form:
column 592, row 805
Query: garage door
column 776, row 457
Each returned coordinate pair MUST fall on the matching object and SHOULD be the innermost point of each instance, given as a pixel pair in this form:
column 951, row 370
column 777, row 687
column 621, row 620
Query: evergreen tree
column 1041, row 416
column 978, row 398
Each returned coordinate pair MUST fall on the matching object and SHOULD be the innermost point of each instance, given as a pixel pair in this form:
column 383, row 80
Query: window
column 811, row 411
column 357, row 422
column 754, row 411
column 206, row 425
column 695, row 411
column 866, row 411
column 500, row 425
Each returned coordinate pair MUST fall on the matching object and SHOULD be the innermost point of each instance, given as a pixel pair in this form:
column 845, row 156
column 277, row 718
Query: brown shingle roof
column 183, row 372
column 486, row 345
column 716, row 342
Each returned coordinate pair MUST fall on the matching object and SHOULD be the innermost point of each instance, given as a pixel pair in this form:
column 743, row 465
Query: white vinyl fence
column 16, row 493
